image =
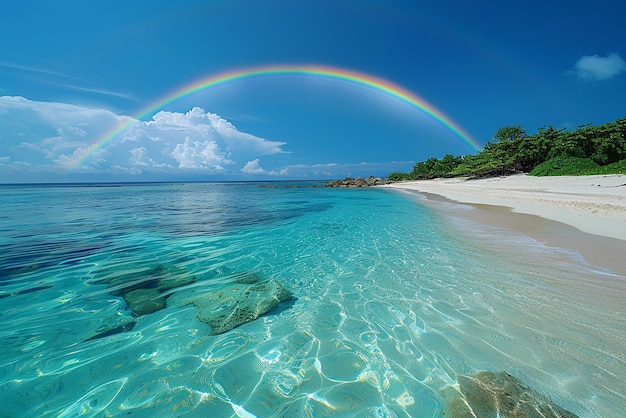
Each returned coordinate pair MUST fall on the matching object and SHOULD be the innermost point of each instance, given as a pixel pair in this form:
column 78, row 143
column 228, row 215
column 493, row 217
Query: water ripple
column 387, row 310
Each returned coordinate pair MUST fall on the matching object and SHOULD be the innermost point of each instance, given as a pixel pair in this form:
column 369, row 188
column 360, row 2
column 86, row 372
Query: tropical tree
column 587, row 149
column 424, row 169
column 509, row 133
column 534, row 149
column 609, row 142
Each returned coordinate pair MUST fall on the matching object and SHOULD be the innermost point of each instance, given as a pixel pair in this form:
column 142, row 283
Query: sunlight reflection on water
column 390, row 305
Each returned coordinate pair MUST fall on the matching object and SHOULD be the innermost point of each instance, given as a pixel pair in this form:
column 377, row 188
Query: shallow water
column 393, row 298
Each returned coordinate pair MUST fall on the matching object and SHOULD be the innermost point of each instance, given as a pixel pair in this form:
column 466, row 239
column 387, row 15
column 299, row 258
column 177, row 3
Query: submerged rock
column 489, row 394
column 145, row 301
column 147, row 290
column 156, row 277
column 143, row 289
column 247, row 278
column 233, row 305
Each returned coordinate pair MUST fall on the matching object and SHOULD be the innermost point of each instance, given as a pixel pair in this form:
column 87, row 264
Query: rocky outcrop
column 232, row 305
column 489, row 394
column 358, row 182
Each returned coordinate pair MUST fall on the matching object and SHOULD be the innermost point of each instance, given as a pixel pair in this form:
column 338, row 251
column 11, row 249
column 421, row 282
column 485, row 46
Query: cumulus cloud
column 138, row 157
column 597, row 68
column 200, row 155
column 198, row 140
column 208, row 126
column 44, row 138
column 254, row 168
column 57, row 137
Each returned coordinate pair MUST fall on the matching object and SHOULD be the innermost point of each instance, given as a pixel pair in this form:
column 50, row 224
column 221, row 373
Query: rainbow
column 359, row 79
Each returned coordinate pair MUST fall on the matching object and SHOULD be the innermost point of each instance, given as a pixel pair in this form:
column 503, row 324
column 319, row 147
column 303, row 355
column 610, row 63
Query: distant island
column 587, row 150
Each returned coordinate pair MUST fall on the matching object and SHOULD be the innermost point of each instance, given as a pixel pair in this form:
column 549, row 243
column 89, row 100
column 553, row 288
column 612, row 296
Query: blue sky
column 71, row 70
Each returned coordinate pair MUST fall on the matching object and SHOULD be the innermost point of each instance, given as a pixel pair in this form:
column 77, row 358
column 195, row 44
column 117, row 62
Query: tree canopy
column 587, row 149
column 510, row 133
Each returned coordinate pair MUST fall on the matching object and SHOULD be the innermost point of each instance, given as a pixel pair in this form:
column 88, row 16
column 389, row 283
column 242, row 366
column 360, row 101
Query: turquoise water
column 393, row 297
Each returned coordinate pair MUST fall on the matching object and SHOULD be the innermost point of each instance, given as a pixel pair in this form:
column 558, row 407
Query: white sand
column 592, row 204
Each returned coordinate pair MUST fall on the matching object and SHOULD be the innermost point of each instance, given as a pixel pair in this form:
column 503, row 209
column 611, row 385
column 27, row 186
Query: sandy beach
column 594, row 205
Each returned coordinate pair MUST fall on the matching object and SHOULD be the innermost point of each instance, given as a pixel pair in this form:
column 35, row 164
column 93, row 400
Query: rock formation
column 149, row 290
column 143, row 289
column 232, row 305
column 358, row 182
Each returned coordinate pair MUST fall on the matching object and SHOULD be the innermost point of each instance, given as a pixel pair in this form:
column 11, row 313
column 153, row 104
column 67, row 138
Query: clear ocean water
column 393, row 298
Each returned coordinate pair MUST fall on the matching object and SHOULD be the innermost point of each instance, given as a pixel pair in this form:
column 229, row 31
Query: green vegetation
column 574, row 166
column 565, row 166
column 586, row 150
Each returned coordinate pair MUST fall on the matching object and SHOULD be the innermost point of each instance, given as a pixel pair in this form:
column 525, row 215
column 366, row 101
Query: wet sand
column 586, row 214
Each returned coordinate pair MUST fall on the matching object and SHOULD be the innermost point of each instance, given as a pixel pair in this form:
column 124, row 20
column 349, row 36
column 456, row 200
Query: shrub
column 618, row 167
column 566, row 166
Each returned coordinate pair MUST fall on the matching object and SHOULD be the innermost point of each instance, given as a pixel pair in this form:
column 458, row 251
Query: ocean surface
column 393, row 298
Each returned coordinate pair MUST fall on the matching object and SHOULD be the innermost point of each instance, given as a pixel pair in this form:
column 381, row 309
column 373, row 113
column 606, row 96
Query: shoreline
column 586, row 214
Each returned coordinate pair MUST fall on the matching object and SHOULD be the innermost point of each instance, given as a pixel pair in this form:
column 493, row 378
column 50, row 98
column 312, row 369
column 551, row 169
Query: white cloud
column 139, row 158
column 34, row 69
column 46, row 138
column 63, row 114
column 58, row 137
column 53, row 130
column 254, row 168
column 52, row 77
column 96, row 90
column 597, row 68
column 200, row 155
column 203, row 125
column 338, row 170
